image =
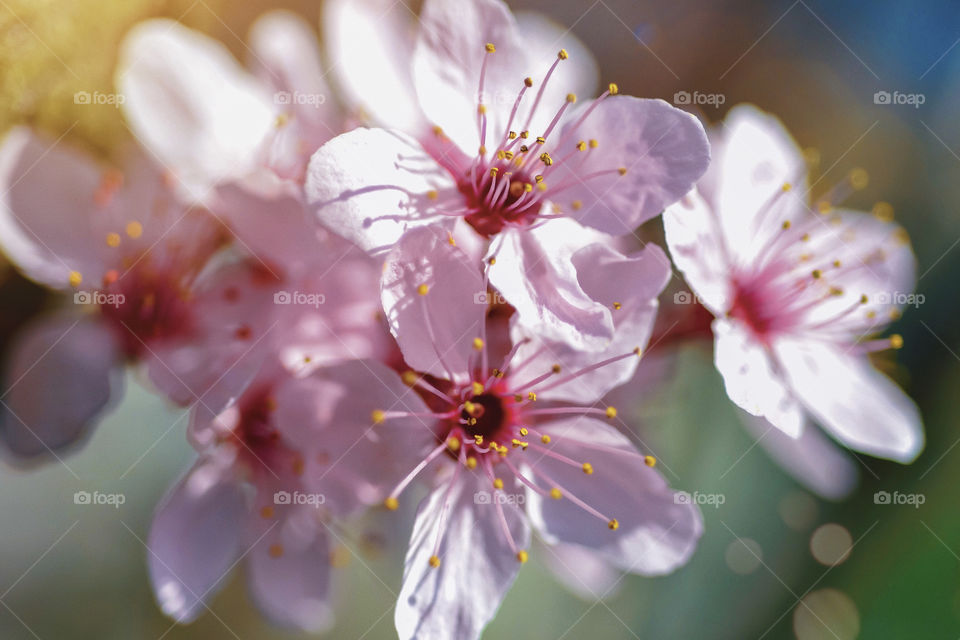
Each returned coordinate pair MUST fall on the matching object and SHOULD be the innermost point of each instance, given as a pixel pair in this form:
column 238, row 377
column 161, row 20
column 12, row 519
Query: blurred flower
column 796, row 292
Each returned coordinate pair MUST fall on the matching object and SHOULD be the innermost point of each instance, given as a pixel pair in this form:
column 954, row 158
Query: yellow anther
column 469, row 407
column 276, row 550
column 613, row 525
column 576, row 205
column 492, row 261
column 451, row 240
column 587, row 468
column 556, row 368
column 824, row 207
column 497, row 373
column 594, row 144
column 555, row 493
column 896, row 341
column 528, row 82
column 542, row 186
column 563, row 55
column 883, row 211
column 871, row 314
column 423, row 289
column 266, row 512
column 482, row 150
column 437, row 130
column 497, row 483
column 453, row 443
column 786, row 224
column 512, row 135
column 786, row 186
column 837, row 264
column 541, row 140
column 432, row 194
column 113, row 239
column 571, row 98
column 471, row 463
column 75, row 279
column 816, row 274
column 901, row 237
column 581, row 146
column 378, row 416
column 409, row 378
column 613, row 88
column 617, row 306
column 522, row 556
column 501, row 154
column 517, row 398
column 527, row 187
column 134, row 229
column 391, row 503
column 895, row 314
column 281, row 120
column 545, row 439
column 478, row 344
column 859, row 178
column 493, row 172
column 490, row 48
column 650, row 461
column 434, row 561
column 523, row 431
column 836, row 291
column 622, row 171
column 516, row 443
column 531, row 396
column 611, row 412
column 805, row 237
column 638, row 352
column 477, row 388
column 482, row 109
column 478, row 439
column 524, row 134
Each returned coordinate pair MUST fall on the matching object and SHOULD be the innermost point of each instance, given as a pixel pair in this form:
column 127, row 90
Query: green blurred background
column 69, row 571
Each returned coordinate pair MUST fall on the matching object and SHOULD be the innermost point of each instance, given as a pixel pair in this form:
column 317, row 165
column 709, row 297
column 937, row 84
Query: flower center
column 485, row 416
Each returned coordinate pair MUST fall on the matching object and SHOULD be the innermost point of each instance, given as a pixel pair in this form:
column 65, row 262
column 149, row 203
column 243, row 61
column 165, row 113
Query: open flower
column 505, row 449
column 512, row 148
column 797, row 293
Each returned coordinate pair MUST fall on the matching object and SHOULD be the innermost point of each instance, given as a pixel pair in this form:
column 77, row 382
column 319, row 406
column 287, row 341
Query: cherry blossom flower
column 210, row 120
column 797, row 292
column 134, row 259
column 503, row 445
column 510, row 150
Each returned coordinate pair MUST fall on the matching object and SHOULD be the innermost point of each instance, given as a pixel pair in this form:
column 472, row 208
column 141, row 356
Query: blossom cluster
column 432, row 277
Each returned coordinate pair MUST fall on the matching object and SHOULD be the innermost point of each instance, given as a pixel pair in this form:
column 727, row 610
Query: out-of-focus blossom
column 483, row 438
column 210, row 120
column 135, row 259
column 797, row 292
column 509, row 151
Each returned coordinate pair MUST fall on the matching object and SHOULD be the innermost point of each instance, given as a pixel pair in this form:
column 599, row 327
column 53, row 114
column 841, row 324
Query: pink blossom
column 797, row 293
column 512, row 148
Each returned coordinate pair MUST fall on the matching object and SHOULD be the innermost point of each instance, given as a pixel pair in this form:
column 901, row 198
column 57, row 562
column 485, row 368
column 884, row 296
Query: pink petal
column 372, row 185
column 190, row 102
column 195, row 538
column 855, row 403
column 752, row 379
column 429, row 294
column 581, row 571
column 477, row 567
column 812, row 458
column 664, row 151
column 656, row 534
column 74, row 357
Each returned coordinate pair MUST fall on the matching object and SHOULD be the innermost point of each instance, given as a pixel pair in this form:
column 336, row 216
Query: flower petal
column 581, row 570
column 77, row 358
column 477, row 567
column 190, row 102
column 812, row 458
column 626, row 286
column 371, row 185
column 656, row 532
column 195, row 538
column 752, row 379
column 430, row 295
column 649, row 155
column 855, row 403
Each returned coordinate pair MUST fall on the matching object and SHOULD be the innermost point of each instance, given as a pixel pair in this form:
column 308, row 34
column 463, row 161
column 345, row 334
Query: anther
column 75, row 279
column 786, row 224
column 522, row 556
column 497, row 483
column 423, row 289
column 611, row 412
column 816, row 274
column 571, row 98
column 896, row 341
column 113, row 239
column 650, row 461
column 531, row 396
column 134, row 229
column 545, row 439
column 453, row 443
column 478, row 344
column 432, row 194
column 613, row 88
column 587, row 468
column 490, row 48
column 477, row 388
column 434, row 561
column 613, row 525
column 528, row 82
column 555, row 493
column 563, row 55
column 391, row 503
column 471, row 463
column 622, row 171
column 859, row 178
column 378, row 416
column 617, row 306
column 409, row 378
column 556, row 368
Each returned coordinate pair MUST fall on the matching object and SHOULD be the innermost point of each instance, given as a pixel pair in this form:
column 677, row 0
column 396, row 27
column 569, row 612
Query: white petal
column 752, row 379
column 477, row 567
column 371, row 185
column 858, row 405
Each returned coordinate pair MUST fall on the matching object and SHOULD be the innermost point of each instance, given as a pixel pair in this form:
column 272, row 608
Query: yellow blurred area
column 52, row 49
